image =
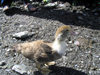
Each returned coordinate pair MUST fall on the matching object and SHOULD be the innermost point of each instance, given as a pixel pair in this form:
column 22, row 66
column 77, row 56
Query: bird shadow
column 56, row 70
column 64, row 16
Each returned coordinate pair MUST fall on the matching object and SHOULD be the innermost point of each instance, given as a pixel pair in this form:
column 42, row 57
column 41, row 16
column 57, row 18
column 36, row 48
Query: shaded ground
column 44, row 22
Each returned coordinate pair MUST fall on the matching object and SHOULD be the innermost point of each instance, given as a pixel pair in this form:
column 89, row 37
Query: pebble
column 61, row 6
column 84, row 14
column 70, row 42
column 96, row 14
column 51, row 4
column 79, row 17
column 23, row 34
column 47, row 1
column 2, row 63
column 76, row 33
column 1, row 8
column 21, row 26
column 3, row 67
column 71, row 49
column 96, row 56
column 91, row 72
column 76, row 43
column 76, row 66
column 7, row 52
column 22, row 69
column 67, row 4
column 8, row 70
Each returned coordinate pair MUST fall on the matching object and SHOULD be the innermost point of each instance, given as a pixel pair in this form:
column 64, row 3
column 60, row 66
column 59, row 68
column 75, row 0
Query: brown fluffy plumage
column 40, row 51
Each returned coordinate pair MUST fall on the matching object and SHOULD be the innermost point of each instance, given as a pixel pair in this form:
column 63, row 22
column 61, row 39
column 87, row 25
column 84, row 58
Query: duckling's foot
column 51, row 63
column 43, row 68
column 45, row 71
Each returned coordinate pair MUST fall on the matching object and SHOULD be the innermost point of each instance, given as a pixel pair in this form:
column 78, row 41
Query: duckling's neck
column 59, row 46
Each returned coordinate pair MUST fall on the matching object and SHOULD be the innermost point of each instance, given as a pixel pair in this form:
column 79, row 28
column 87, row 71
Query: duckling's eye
column 67, row 30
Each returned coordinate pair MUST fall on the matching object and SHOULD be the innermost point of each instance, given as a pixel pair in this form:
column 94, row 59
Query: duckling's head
column 62, row 32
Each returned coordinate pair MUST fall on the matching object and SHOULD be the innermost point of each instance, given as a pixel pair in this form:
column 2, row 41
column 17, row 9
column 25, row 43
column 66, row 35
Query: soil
column 85, row 23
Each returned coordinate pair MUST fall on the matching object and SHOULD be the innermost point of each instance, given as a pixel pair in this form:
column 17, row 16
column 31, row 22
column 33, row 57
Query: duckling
column 45, row 53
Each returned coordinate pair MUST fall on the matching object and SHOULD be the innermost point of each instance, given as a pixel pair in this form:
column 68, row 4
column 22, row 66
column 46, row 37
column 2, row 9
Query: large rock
column 21, row 69
column 23, row 34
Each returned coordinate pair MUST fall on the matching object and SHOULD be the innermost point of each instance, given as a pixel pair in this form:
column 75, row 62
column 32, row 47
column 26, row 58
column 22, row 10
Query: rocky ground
column 17, row 26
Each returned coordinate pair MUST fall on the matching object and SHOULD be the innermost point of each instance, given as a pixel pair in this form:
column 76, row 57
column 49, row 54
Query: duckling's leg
column 38, row 65
column 44, row 69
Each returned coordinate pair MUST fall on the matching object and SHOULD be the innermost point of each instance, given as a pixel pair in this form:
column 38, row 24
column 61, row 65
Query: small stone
column 88, row 52
column 2, row 63
column 3, row 67
column 76, row 43
column 96, row 56
column 79, row 17
column 70, row 42
column 8, row 50
column 8, row 70
column 76, row 65
column 71, row 49
column 6, row 54
column 21, row 26
column 51, row 4
column 96, row 14
column 76, row 33
column 22, row 69
column 47, row 1
column 67, row 4
column 61, row 6
column 84, row 14
column 20, row 34
column 1, row 8
column 92, row 72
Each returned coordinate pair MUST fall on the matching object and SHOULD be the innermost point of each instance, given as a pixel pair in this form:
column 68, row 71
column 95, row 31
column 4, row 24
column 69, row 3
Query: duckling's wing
column 48, row 54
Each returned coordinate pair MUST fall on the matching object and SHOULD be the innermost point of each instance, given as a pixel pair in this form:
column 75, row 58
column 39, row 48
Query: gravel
column 43, row 22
